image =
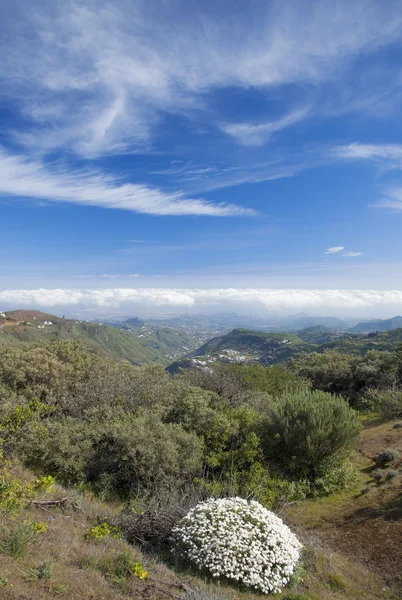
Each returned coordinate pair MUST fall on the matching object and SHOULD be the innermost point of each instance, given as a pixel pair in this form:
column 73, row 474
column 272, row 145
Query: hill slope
column 139, row 347
column 244, row 345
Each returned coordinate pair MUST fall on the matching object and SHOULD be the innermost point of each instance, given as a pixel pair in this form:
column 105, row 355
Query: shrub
column 152, row 528
column 13, row 492
column 143, row 454
column 390, row 474
column 240, row 541
column 386, row 456
column 100, row 531
column 119, row 567
column 15, row 537
column 44, row 484
column 43, row 571
column 38, row 527
column 336, row 475
column 306, row 429
column 379, row 476
column 397, row 426
column 347, row 374
column 388, row 401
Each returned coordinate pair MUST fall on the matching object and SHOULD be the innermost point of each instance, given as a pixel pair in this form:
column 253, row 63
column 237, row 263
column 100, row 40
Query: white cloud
column 392, row 198
column 27, row 178
column 358, row 151
column 95, row 78
column 334, row 249
column 351, row 254
column 250, row 134
column 201, row 299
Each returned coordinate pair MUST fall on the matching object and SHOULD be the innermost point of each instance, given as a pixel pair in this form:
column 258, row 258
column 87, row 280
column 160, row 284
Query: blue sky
column 148, row 148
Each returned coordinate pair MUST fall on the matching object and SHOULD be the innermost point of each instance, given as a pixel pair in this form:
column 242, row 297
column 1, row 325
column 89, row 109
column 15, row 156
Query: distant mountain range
column 223, row 323
column 378, row 325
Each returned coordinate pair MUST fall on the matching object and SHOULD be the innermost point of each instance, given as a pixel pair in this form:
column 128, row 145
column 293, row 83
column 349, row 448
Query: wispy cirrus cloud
column 386, row 157
column 391, row 198
column 391, row 153
column 351, row 254
column 250, row 134
column 334, row 249
column 97, row 78
column 200, row 299
column 27, row 178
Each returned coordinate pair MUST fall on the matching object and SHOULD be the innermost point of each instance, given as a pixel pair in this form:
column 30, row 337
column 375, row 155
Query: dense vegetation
column 132, row 432
column 244, row 345
column 153, row 443
column 129, row 341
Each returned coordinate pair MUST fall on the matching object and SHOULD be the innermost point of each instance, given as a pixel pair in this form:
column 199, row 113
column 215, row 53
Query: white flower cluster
column 239, row 540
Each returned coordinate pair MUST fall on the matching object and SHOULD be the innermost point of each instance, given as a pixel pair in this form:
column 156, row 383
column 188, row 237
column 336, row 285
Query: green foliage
column 98, row 532
column 347, row 374
column 306, row 429
column 43, row 571
column 59, row 588
column 44, row 484
column 38, row 527
column 334, row 475
column 13, row 492
column 143, row 453
column 274, row 380
column 117, row 568
column 15, row 537
column 387, row 400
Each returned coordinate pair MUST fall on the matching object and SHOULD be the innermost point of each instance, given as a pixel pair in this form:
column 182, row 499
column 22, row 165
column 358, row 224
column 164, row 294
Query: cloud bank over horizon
column 205, row 300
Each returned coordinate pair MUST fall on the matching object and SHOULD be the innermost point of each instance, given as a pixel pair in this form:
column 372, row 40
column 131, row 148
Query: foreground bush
column 306, row 429
column 240, row 541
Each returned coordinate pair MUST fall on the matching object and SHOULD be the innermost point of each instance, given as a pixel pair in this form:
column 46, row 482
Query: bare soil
column 365, row 523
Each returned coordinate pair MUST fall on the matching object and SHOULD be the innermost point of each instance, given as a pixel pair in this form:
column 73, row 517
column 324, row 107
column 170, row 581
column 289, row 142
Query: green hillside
column 317, row 334
column 360, row 344
column 140, row 347
column 242, row 345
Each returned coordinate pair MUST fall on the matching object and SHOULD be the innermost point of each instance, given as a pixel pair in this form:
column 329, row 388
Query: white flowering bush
column 238, row 540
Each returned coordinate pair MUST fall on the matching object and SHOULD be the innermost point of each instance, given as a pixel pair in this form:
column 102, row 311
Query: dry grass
column 353, row 547
column 363, row 524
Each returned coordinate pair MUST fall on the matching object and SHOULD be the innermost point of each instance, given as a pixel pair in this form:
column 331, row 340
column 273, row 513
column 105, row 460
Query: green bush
column 120, row 567
column 387, row 401
column 306, row 429
column 349, row 375
column 335, row 475
column 143, row 455
column 43, row 571
column 15, row 537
